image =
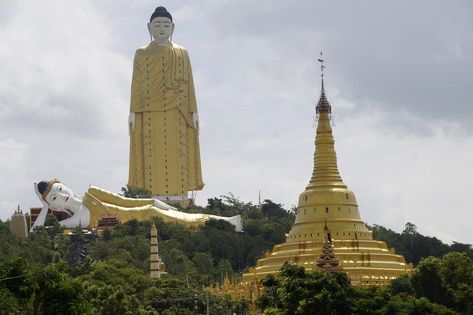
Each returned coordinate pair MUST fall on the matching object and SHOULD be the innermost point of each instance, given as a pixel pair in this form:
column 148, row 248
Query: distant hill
column 414, row 246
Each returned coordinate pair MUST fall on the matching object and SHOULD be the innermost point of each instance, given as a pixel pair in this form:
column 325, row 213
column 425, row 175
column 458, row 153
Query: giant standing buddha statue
column 328, row 208
column 163, row 122
column 164, row 150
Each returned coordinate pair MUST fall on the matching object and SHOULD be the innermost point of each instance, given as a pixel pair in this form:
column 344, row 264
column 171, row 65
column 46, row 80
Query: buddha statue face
column 62, row 198
column 161, row 28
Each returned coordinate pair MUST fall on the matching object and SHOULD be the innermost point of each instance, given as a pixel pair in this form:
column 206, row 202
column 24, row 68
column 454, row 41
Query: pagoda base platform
column 366, row 262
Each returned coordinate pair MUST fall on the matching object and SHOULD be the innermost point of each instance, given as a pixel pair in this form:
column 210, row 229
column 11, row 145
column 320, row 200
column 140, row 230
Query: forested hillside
column 51, row 273
column 415, row 246
column 438, row 286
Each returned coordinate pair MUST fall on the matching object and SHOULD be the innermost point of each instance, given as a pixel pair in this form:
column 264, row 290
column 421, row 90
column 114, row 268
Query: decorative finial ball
column 160, row 11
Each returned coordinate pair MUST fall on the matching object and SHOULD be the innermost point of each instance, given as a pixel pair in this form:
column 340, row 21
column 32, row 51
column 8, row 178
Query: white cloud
column 420, row 178
column 56, row 70
column 63, row 95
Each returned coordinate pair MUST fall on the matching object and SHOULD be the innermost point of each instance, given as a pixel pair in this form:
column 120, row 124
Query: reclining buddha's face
column 61, row 198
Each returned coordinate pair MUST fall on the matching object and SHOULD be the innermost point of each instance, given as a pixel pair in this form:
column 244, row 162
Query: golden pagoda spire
column 325, row 171
column 326, row 199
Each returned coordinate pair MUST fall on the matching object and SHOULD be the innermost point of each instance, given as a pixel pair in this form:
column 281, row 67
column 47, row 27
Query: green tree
column 410, row 305
column 299, row 292
column 462, row 248
column 178, row 264
column 117, row 273
column 401, row 285
column 204, row 265
column 268, row 300
column 16, row 286
column 131, row 192
column 57, row 293
column 427, row 281
column 447, row 281
column 368, row 301
column 410, row 229
column 16, row 272
column 107, row 299
column 9, row 304
column 170, row 295
column 271, row 209
column 456, row 273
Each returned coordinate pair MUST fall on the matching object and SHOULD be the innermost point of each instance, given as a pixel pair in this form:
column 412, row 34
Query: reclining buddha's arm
column 41, row 218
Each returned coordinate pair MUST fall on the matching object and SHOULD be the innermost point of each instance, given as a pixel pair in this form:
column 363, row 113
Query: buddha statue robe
column 100, row 202
column 164, row 143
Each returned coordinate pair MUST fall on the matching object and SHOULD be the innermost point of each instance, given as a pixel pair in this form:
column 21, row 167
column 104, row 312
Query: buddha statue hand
column 195, row 120
column 44, row 211
column 131, row 123
column 161, row 205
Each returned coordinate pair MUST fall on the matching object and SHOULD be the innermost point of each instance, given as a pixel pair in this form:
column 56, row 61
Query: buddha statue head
column 58, row 196
column 161, row 26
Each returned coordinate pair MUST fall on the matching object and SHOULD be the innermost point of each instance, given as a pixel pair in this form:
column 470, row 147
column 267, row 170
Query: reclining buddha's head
column 58, row 196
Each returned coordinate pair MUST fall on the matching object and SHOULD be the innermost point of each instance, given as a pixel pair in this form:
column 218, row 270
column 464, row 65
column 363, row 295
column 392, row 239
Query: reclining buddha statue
column 85, row 211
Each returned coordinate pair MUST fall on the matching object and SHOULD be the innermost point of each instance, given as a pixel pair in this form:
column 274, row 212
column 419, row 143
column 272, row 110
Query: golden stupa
column 328, row 214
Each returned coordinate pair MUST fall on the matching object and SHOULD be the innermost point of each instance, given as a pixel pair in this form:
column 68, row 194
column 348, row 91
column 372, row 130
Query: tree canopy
column 51, row 273
column 295, row 291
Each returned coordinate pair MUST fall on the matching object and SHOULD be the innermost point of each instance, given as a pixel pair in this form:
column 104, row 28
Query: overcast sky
column 399, row 78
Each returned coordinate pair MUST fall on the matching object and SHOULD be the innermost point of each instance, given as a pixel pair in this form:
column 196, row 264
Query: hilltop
column 80, row 274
